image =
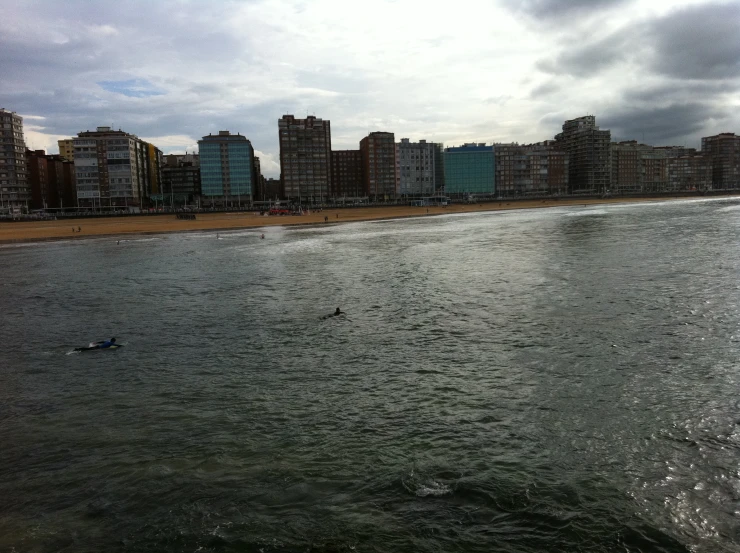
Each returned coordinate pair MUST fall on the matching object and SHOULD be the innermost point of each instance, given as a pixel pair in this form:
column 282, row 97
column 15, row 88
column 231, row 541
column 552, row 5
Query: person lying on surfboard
column 104, row 344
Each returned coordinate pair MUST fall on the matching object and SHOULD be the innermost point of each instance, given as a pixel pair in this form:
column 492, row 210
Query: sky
column 172, row 71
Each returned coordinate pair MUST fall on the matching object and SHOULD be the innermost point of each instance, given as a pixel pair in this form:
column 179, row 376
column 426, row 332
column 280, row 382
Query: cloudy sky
column 666, row 72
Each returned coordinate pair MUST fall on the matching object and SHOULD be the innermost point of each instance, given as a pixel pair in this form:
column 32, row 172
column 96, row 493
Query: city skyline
column 663, row 73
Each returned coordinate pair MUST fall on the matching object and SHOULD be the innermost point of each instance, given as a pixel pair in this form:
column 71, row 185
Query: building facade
column 346, row 174
column 689, row 173
column 417, row 168
column 305, row 158
column 226, row 169
column 67, row 148
column 588, row 155
column 181, row 179
column 115, row 169
column 15, row 193
column 724, row 151
column 470, row 169
column 530, row 170
column 378, row 151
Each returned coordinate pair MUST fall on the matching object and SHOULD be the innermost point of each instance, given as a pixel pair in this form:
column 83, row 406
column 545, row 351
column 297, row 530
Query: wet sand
column 31, row 231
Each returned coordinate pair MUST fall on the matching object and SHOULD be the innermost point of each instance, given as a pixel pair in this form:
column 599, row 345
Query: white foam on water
column 433, row 488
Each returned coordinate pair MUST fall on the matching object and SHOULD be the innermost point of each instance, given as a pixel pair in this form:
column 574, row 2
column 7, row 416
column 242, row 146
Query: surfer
column 104, row 344
column 335, row 314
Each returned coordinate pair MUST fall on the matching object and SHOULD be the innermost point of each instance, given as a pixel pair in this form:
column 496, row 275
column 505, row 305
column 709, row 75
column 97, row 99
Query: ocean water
column 562, row 379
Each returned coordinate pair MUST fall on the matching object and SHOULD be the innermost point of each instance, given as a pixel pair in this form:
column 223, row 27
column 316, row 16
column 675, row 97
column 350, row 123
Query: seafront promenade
column 31, row 231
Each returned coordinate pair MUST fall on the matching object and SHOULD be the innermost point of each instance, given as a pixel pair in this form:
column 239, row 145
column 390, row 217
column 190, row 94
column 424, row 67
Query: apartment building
column 305, row 158
column 15, row 192
column 724, row 152
column 470, row 169
column 530, row 169
column 181, row 179
column 226, row 169
column 378, row 151
column 589, row 170
column 347, row 174
column 417, row 168
column 115, row 169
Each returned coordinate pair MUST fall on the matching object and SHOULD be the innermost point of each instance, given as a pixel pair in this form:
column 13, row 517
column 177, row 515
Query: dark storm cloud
column 674, row 124
column 559, row 9
column 697, row 42
column 590, row 58
column 679, row 91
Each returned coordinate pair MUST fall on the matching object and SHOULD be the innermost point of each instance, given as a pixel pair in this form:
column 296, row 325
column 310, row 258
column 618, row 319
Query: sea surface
column 562, row 379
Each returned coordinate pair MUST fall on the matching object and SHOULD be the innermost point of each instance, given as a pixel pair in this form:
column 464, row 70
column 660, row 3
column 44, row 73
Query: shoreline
column 148, row 225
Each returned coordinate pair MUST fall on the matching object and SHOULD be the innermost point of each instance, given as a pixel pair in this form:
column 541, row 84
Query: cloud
column 697, row 42
column 135, row 88
column 675, row 124
column 561, row 9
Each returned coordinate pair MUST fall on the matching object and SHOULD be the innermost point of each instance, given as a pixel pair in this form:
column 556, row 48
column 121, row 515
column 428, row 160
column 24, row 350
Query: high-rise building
column 417, row 167
column 181, row 179
column 273, row 189
column 470, row 169
column 67, row 148
column 588, row 150
column 51, row 179
column 530, row 169
column 226, row 168
column 305, row 158
column 115, row 169
column 724, row 152
column 689, row 172
column 642, row 169
column 378, row 151
column 14, row 190
column 346, row 174
column 439, row 168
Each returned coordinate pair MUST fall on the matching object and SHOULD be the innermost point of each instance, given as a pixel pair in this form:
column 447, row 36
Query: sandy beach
column 30, row 231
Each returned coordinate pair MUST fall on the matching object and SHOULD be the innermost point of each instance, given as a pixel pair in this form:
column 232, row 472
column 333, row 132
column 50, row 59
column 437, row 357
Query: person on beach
column 79, row 229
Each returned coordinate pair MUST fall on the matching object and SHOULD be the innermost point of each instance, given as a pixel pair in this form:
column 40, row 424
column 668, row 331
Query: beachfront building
column 14, row 190
column 346, row 174
column 180, row 179
column 470, row 170
column 67, row 148
column 724, row 151
column 417, row 168
column 643, row 169
column 588, row 155
column 305, row 158
column 524, row 170
column 226, row 169
column 51, row 180
column 378, row 150
column 689, row 172
column 115, row 169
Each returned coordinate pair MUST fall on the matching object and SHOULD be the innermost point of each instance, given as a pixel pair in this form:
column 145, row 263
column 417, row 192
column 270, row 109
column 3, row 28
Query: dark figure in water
column 105, row 344
column 337, row 312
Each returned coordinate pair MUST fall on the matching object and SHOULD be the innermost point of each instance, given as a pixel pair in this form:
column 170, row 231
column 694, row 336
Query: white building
column 115, row 168
column 416, row 167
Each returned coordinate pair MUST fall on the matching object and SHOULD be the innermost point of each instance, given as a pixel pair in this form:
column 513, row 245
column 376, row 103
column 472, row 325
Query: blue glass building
column 470, row 169
column 226, row 167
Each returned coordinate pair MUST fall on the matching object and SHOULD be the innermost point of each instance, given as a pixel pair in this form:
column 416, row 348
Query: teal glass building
column 226, row 166
column 470, row 169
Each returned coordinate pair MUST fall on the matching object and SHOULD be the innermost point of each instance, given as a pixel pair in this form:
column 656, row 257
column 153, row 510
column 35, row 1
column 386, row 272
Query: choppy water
column 547, row 380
